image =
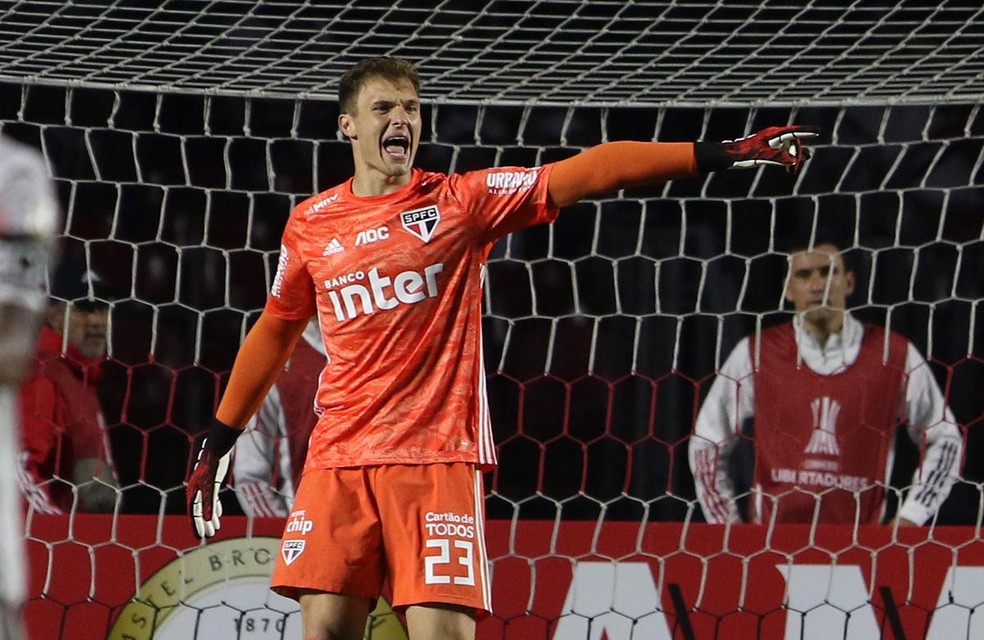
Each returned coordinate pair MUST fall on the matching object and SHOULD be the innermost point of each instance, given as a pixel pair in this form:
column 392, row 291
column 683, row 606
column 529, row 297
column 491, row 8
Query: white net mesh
column 180, row 137
column 548, row 52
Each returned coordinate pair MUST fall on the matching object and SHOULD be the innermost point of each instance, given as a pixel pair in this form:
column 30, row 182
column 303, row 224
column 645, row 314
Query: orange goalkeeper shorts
column 421, row 526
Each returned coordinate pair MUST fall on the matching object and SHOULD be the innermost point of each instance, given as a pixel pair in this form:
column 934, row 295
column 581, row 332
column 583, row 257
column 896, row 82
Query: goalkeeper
column 392, row 263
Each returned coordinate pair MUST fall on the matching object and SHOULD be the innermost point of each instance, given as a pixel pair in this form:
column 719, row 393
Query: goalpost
column 180, row 136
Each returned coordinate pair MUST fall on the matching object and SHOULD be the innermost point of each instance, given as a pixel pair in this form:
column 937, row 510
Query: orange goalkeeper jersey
column 396, row 281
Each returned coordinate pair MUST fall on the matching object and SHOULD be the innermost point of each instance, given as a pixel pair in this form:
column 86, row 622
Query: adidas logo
column 333, row 247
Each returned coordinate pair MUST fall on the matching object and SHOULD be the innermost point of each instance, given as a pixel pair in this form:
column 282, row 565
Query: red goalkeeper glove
column 210, row 470
column 779, row 146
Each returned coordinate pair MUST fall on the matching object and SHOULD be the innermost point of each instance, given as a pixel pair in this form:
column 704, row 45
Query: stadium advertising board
column 139, row 577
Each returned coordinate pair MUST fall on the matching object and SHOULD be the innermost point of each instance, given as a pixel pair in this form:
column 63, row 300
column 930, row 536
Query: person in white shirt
column 270, row 454
column 29, row 214
column 826, row 393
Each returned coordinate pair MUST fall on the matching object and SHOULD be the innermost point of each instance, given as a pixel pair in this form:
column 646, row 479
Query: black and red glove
column 779, row 146
column 206, row 478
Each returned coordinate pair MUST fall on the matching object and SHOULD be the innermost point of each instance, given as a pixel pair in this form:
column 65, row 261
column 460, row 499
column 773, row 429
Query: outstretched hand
column 779, row 146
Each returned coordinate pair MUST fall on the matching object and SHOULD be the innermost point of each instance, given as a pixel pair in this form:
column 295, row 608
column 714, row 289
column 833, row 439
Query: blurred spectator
column 66, row 449
column 28, row 216
column 270, row 455
column 827, row 393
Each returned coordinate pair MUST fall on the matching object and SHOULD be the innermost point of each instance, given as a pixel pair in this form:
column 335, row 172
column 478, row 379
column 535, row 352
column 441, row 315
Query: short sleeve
column 505, row 199
column 292, row 293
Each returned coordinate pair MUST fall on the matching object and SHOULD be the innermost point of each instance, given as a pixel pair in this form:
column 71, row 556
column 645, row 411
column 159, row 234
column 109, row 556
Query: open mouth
column 397, row 147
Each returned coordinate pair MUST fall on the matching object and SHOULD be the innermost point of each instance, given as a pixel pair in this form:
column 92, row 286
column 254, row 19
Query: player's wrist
column 221, row 437
column 712, row 156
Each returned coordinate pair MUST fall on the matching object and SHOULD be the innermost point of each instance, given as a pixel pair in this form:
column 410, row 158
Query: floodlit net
column 556, row 52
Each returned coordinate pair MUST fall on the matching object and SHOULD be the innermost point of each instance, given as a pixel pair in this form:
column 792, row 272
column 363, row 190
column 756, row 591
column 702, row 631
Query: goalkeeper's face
column 818, row 284
column 384, row 128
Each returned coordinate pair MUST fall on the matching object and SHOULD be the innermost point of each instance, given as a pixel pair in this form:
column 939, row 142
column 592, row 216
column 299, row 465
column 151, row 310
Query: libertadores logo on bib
column 823, row 439
column 421, row 222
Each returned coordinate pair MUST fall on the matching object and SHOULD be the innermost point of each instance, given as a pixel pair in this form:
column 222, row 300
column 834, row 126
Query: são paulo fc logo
column 222, row 590
column 291, row 550
column 421, row 222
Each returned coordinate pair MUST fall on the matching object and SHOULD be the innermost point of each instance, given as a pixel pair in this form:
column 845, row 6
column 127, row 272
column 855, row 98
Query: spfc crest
column 421, row 222
column 291, row 550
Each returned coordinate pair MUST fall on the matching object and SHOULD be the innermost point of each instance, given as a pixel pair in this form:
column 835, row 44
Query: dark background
column 602, row 331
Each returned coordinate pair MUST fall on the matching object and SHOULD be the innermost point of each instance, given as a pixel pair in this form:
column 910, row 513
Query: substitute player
column 28, row 217
column 827, row 394
column 392, row 262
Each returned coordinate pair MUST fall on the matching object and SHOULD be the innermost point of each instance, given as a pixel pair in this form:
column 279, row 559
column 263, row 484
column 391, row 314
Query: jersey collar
column 840, row 352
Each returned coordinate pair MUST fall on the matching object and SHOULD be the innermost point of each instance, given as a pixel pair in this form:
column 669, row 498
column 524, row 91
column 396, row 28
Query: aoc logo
column 368, row 236
column 222, row 590
column 421, row 222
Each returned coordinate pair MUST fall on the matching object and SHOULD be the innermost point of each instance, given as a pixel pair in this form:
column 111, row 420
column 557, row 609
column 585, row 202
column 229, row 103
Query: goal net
column 181, row 135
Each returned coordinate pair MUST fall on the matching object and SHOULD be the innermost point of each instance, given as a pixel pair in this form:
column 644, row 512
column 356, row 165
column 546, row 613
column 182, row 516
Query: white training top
column 730, row 403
